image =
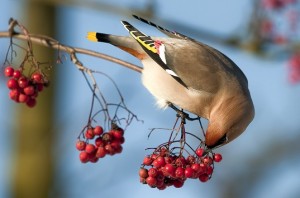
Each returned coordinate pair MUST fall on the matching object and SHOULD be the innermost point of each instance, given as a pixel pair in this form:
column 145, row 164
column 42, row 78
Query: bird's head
column 227, row 122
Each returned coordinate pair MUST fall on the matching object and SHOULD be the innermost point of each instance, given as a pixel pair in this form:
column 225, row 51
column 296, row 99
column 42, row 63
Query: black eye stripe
column 222, row 140
column 219, row 142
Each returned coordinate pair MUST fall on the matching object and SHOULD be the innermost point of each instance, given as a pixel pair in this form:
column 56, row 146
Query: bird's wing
column 193, row 64
column 151, row 48
column 198, row 66
column 202, row 67
column 226, row 62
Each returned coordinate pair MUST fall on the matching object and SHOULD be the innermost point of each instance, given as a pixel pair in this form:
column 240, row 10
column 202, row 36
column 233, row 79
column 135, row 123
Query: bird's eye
column 220, row 142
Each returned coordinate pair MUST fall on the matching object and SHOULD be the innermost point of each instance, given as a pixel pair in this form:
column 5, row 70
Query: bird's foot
column 180, row 113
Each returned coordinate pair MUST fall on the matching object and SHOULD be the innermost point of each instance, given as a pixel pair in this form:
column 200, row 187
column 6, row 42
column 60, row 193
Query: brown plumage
column 192, row 76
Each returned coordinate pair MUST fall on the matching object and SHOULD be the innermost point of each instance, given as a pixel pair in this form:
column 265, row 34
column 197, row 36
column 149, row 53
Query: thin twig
column 52, row 43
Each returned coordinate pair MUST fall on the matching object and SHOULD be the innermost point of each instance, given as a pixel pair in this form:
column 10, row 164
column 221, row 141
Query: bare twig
column 52, row 43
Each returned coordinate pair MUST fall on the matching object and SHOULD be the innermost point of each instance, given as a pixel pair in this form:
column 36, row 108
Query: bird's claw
column 180, row 113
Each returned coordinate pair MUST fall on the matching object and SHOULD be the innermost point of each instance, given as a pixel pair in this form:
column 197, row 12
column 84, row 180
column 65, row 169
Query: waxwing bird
column 181, row 71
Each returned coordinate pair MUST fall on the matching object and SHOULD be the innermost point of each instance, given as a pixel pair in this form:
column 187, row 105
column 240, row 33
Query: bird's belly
column 166, row 89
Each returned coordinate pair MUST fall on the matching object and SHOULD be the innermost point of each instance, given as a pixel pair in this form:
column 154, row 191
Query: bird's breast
column 166, row 89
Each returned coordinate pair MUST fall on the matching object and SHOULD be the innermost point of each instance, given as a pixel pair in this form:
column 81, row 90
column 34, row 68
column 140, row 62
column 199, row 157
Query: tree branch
column 52, row 43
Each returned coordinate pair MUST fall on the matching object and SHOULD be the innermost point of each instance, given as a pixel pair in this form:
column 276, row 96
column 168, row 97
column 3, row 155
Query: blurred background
column 37, row 146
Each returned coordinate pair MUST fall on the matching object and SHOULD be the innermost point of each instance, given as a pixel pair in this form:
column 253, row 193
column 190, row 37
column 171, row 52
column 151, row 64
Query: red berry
column 118, row 149
column 208, row 160
column 31, row 102
column 93, row 159
column 199, row 152
column 98, row 130
column 84, row 157
column 117, row 133
column 209, row 170
column 80, row 145
column 196, row 167
column 116, row 141
column 151, row 181
column 203, row 168
column 109, row 149
column 37, row 77
column 178, row 183
column 160, row 175
column 120, row 130
column 90, row 148
column 154, row 156
column 29, row 90
column 40, row 86
column 191, row 159
column 180, row 161
column 147, row 161
column 17, row 74
column 189, row 172
column 8, row 72
column 14, row 94
column 99, row 142
column 294, row 61
column 100, row 152
column 179, row 172
column 34, row 95
column 169, row 170
column 12, row 83
column 159, row 162
column 152, row 172
column 89, row 134
column 169, row 160
column 204, row 177
column 115, row 145
column 143, row 173
column 217, row 157
column 22, row 82
column 156, row 164
column 160, row 183
column 162, row 187
column 143, row 180
column 121, row 140
column 23, row 98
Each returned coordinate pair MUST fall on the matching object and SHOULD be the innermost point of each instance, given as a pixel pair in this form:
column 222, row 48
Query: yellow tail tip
column 92, row 36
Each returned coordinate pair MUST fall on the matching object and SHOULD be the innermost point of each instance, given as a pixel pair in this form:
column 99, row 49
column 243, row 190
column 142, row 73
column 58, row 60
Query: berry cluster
column 275, row 13
column 277, row 4
column 294, row 68
column 106, row 143
column 24, row 89
column 166, row 169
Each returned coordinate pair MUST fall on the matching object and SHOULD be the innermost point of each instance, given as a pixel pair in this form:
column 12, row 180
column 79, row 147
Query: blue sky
column 276, row 103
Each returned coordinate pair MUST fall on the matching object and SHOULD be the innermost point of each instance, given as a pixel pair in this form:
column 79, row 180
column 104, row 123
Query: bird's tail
column 98, row 37
column 125, row 43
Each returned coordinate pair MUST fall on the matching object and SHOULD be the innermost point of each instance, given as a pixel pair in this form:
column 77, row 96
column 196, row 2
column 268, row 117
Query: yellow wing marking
column 147, row 46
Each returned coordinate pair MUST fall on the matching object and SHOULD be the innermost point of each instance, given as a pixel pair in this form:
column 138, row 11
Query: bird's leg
column 181, row 113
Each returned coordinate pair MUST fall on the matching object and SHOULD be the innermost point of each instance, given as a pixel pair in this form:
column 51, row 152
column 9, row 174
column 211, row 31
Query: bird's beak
column 218, row 144
column 210, row 148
